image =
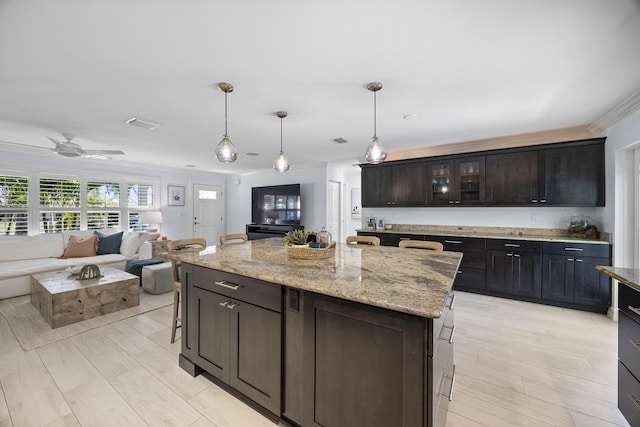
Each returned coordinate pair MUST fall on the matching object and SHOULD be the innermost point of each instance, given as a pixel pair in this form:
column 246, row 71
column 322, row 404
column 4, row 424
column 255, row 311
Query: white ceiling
column 469, row 69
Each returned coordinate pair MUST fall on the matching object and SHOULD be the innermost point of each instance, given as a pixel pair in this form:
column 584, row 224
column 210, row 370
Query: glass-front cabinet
column 456, row 182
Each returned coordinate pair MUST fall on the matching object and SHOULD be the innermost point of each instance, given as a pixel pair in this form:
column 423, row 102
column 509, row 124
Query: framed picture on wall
column 175, row 195
column 356, row 204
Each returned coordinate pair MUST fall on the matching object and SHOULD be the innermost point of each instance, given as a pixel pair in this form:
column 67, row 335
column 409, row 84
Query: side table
column 158, row 247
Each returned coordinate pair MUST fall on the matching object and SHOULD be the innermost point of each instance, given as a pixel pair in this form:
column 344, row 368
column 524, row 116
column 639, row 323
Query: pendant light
column 375, row 153
column 225, row 151
column 281, row 164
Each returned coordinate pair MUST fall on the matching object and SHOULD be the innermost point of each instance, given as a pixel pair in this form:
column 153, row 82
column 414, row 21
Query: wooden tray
column 310, row 253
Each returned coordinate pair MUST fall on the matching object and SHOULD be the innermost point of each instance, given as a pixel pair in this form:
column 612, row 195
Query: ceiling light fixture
column 375, row 153
column 225, row 151
column 281, row 164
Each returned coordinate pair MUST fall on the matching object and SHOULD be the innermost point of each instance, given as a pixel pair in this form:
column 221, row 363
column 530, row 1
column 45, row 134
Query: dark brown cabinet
column 235, row 325
column 343, row 343
column 569, row 275
column 629, row 354
column 398, row 184
column 512, row 179
column 456, row 181
column 513, row 267
column 472, row 271
column 572, row 176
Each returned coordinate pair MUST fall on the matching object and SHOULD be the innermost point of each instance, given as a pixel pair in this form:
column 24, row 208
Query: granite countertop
column 628, row 276
column 411, row 281
column 511, row 233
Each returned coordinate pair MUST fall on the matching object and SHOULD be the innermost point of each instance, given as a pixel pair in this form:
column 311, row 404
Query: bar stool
column 421, row 244
column 231, row 238
column 368, row 240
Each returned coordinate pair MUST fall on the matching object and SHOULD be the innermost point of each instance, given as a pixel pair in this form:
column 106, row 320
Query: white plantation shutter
column 103, row 205
column 59, row 204
column 14, row 205
column 140, row 197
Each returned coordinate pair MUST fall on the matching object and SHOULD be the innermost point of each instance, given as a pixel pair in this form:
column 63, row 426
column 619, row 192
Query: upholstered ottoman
column 134, row 266
column 157, row 278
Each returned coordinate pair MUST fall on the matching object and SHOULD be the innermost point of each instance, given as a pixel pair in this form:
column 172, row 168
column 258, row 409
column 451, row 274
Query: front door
column 334, row 209
column 208, row 206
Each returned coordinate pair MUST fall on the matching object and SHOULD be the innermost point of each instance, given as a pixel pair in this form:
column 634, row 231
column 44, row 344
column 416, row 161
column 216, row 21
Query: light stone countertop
column 628, row 276
column 412, row 281
column 511, row 233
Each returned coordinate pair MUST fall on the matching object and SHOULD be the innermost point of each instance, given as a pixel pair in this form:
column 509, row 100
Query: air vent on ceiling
column 340, row 140
column 145, row 124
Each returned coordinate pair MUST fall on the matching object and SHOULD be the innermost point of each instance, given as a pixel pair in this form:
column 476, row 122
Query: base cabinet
column 236, row 338
column 366, row 366
column 629, row 354
column 513, row 267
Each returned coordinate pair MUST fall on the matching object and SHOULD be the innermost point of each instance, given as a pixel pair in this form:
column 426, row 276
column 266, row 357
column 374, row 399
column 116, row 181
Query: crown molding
column 617, row 113
column 520, row 140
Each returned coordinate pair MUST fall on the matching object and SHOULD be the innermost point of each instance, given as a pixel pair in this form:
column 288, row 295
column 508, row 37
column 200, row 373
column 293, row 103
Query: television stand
column 263, row 231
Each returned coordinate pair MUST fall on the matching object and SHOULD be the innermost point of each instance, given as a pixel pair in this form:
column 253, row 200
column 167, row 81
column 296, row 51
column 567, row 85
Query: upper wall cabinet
column 456, row 182
column 397, row 184
column 564, row 174
column 572, row 176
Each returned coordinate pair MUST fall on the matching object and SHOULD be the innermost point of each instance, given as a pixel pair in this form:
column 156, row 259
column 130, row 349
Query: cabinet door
column 591, row 287
column 376, row 185
column 499, row 271
column 527, row 274
column 441, row 182
column 573, row 175
column 211, row 340
column 512, row 179
column 470, row 181
column 255, row 353
column 363, row 366
column 409, row 184
column 558, row 277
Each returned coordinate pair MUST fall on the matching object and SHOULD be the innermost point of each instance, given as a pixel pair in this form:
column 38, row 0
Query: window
column 14, row 205
column 59, row 205
column 32, row 202
column 103, row 205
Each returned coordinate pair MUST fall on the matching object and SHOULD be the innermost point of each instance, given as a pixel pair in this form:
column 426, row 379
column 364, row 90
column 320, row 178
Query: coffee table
column 63, row 299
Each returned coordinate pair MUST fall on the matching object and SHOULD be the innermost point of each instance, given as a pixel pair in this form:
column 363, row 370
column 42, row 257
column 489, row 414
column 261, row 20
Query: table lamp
column 153, row 219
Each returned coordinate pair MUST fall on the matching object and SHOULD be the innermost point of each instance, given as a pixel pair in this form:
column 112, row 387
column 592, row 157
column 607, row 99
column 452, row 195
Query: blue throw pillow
column 108, row 243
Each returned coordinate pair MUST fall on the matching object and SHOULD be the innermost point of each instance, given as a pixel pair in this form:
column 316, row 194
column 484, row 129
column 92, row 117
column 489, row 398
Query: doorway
column 208, row 205
column 334, row 210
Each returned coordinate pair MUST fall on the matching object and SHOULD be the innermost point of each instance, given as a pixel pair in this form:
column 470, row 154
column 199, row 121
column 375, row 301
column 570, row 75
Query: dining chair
column 368, row 240
column 421, row 244
column 232, row 238
column 194, row 244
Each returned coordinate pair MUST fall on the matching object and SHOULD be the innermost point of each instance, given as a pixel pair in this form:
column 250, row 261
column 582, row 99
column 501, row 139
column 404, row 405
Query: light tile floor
column 517, row 364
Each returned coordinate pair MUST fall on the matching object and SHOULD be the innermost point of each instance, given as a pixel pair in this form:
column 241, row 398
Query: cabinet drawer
column 257, row 292
column 514, row 245
column 576, row 249
column 443, row 326
column 459, row 244
column 474, row 278
column 628, row 395
column 629, row 302
column 629, row 343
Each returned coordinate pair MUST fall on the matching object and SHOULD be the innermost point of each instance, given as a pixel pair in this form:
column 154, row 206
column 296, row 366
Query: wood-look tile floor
column 517, row 364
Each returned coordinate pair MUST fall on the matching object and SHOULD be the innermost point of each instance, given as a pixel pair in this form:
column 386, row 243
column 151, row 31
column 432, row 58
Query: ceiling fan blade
column 18, row 145
column 55, row 141
column 103, row 152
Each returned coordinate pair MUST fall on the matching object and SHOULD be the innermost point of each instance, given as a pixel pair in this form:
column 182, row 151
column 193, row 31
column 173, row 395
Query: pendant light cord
column 281, row 135
column 375, row 113
column 225, row 115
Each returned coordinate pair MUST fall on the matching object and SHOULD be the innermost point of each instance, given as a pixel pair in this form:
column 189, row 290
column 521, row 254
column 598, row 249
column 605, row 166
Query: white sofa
column 21, row 256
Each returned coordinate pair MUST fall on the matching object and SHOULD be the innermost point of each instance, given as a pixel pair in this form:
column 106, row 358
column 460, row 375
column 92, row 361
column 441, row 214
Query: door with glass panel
column 207, row 212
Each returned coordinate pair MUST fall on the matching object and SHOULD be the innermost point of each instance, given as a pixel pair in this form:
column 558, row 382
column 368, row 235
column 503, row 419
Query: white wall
column 313, row 189
column 178, row 222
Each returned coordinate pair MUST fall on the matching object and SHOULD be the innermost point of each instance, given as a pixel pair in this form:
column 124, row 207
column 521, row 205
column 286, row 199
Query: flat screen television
column 277, row 204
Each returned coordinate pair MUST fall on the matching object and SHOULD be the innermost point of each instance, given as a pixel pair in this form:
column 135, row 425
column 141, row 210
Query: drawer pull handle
column 511, row 245
column 579, row 260
column 634, row 400
column 457, row 242
column 453, row 383
column 231, row 306
column 543, row 200
column 574, row 249
column 636, row 344
column 635, row 310
column 225, row 285
column 453, row 301
column 453, row 331
column 570, row 259
column 405, row 238
column 224, row 304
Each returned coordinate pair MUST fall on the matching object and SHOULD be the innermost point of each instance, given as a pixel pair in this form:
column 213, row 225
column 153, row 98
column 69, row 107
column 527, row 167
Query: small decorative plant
column 296, row 237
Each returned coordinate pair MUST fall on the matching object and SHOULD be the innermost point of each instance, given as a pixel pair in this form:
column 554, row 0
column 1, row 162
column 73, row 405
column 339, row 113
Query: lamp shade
column 151, row 217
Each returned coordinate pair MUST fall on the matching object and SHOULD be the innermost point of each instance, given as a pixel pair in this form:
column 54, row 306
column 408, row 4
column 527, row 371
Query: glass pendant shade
column 281, row 163
column 225, row 151
column 375, row 153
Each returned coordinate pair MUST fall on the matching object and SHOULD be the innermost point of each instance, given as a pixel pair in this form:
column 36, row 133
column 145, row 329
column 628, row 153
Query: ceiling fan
column 69, row 148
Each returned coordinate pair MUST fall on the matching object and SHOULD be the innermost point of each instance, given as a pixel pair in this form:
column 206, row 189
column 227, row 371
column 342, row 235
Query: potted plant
column 296, row 238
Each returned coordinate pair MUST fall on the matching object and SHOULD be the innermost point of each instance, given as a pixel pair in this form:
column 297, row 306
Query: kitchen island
column 363, row 337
